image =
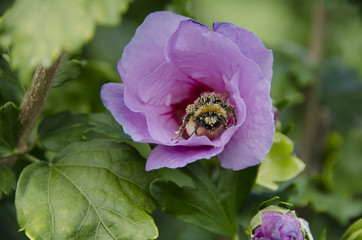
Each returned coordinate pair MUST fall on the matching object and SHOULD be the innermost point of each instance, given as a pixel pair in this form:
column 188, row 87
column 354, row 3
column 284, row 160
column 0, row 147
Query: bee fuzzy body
column 209, row 115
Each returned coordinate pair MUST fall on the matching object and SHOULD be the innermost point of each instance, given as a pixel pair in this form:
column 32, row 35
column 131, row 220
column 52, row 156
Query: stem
column 31, row 158
column 34, row 101
column 312, row 137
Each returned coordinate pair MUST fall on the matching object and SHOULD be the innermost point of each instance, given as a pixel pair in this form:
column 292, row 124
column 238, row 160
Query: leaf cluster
column 208, row 205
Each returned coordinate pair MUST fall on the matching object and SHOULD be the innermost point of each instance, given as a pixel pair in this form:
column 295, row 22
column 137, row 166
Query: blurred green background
column 317, row 87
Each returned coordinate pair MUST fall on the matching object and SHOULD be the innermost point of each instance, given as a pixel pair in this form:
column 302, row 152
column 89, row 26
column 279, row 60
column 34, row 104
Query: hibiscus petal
column 203, row 55
column 253, row 140
column 249, row 44
column 146, row 51
column 112, row 95
column 178, row 156
column 161, row 123
column 165, row 86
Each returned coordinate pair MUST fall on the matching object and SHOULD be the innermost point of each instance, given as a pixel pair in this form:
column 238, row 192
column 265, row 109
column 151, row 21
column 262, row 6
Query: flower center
column 209, row 115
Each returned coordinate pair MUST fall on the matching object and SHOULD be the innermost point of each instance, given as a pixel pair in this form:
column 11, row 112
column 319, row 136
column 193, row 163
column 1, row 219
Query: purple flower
column 172, row 61
column 278, row 226
column 275, row 223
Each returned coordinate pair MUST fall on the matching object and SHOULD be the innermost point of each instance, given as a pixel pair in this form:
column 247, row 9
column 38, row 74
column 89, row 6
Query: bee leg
column 180, row 131
column 183, row 126
column 224, row 123
column 231, row 110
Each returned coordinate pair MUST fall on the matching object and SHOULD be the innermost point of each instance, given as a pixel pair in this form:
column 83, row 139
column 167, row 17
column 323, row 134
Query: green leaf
column 354, row 231
column 177, row 176
column 323, row 235
column 9, row 127
column 106, row 126
column 204, row 205
column 82, row 95
column 5, row 70
column 235, row 187
column 347, row 168
column 274, row 201
column 294, row 72
column 69, row 69
column 341, row 208
column 348, row 50
column 341, row 98
column 282, row 103
column 58, row 131
column 10, row 92
column 107, row 12
column 182, row 7
column 92, row 190
column 39, row 30
column 7, row 180
column 144, row 149
column 280, row 164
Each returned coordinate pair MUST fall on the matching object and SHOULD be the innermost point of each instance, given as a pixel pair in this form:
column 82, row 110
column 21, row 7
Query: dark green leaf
column 282, row 103
column 92, row 190
column 348, row 164
column 293, row 72
column 5, row 70
column 235, row 187
column 171, row 228
column 82, row 94
column 144, row 149
column 187, row 205
column 200, row 206
column 69, row 69
column 106, row 126
column 339, row 207
column 10, row 92
column 57, row 131
column 177, row 176
column 9, row 127
column 39, row 30
column 342, row 98
column 7, row 180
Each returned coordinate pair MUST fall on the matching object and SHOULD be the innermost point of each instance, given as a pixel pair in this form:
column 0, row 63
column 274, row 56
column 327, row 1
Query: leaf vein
column 206, row 213
column 82, row 223
column 37, row 207
column 97, row 231
column 50, row 205
column 125, row 192
column 87, row 198
column 106, row 168
column 220, row 207
column 121, row 215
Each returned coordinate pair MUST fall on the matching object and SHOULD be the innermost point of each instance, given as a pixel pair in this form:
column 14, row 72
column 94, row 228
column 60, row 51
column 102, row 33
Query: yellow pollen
column 211, row 108
column 210, row 120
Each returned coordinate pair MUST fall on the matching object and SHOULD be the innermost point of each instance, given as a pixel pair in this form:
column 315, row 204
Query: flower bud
column 276, row 223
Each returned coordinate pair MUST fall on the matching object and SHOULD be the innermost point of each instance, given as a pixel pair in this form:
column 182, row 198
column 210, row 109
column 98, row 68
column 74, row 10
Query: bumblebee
column 209, row 115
